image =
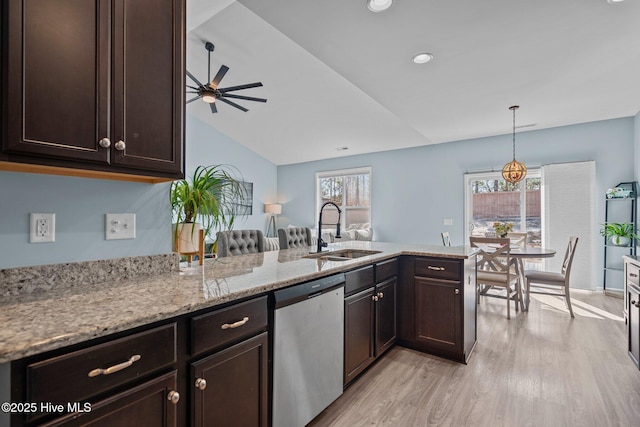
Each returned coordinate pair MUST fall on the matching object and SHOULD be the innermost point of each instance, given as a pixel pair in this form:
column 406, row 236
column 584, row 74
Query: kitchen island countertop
column 33, row 323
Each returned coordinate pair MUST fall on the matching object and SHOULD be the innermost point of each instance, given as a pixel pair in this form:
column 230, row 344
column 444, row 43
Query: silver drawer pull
column 235, row 325
column 115, row 368
column 430, row 267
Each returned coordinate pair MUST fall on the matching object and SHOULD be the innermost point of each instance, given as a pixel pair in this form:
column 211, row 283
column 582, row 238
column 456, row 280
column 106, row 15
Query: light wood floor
column 540, row 368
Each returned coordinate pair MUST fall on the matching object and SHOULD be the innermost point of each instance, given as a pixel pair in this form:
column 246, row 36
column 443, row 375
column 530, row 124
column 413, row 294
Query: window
column 351, row 190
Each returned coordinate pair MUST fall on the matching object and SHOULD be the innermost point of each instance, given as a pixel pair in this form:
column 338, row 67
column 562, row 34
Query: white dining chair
column 494, row 269
column 551, row 283
column 517, row 239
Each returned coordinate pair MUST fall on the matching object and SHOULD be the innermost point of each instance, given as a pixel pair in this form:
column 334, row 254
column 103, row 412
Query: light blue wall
column 636, row 145
column 206, row 146
column 414, row 189
column 80, row 205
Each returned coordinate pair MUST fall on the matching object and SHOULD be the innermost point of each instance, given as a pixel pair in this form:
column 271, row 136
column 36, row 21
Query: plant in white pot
column 619, row 234
column 210, row 196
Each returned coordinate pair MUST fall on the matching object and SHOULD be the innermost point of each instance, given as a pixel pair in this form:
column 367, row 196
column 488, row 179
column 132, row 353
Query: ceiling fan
column 210, row 92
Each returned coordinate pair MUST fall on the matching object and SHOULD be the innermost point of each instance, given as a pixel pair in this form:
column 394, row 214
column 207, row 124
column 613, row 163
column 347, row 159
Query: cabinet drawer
column 78, row 376
column 212, row 330
column 358, row 279
column 386, row 269
column 438, row 268
column 633, row 274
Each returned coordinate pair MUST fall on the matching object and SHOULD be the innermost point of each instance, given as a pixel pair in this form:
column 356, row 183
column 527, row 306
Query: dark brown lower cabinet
column 438, row 305
column 386, row 315
column 358, row 330
column 633, row 325
column 231, row 386
column 147, row 405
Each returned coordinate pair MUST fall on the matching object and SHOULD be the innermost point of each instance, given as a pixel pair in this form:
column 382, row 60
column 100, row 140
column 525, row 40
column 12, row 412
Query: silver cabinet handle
column 115, row 368
column 120, row 145
column 105, row 143
column 201, row 383
column 380, row 295
column 457, row 291
column 430, row 267
column 173, row 397
column 235, row 325
column 374, row 297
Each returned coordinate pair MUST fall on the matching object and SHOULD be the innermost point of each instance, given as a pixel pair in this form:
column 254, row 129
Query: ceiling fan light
column 378, row 5
column 422, row 58
column 209, row 98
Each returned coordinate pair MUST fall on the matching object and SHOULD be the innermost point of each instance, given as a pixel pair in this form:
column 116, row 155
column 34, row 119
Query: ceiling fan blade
column 193, row 91
column 193, row 78
column 193, row 99
column 247, row 86
column 193, row 87
column 214, row 109
column 221, row 72
column 233, row 104
column 248, row 98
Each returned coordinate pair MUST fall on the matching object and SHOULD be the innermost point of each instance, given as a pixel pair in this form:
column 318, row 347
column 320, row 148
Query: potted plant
column 619, row 234
column 210, row 196
column 502, row 228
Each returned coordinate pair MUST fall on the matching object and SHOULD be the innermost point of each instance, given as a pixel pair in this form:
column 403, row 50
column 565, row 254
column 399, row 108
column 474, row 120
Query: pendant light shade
column 514, row 171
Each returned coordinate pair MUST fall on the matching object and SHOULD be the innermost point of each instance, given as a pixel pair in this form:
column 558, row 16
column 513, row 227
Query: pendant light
column 514, row 171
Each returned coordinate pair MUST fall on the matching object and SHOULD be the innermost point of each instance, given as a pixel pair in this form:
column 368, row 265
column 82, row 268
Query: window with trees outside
column 350, row 189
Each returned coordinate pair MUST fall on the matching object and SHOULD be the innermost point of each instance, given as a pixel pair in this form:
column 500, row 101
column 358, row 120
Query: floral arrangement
column 502, row 228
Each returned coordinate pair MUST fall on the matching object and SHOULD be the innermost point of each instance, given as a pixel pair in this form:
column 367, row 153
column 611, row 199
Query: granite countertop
column 65, row 314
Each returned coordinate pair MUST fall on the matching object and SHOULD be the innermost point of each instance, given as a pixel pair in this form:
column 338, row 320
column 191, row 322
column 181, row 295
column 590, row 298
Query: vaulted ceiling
column 338, row 75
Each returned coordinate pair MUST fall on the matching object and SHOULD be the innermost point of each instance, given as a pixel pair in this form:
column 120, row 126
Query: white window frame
column 474, row 176
column 344, row 172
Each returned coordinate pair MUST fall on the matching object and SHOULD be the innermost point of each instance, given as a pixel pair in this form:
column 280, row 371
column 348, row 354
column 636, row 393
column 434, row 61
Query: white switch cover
column 120, row 226
column 447, row 221
column 42, row 227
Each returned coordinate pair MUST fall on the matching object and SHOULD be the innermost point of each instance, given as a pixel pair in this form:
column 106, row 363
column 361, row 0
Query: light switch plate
column 447, row 221
column 120, row 226
column 42, row 227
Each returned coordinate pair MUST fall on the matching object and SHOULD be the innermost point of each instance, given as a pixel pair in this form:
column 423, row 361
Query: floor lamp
column 272, row 209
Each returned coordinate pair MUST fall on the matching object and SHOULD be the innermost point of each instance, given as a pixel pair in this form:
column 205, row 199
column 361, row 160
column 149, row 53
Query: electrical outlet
column 447, row 221
column 42, row 228
column 120, row 226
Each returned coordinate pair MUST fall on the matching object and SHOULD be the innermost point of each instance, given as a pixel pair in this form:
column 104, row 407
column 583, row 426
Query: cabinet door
column 386, row 324
column 235, row 389
column 438, row 314
column 148, row 405
column 148, row 84
column 633, row 327
column 358, row 333
column 57, row 79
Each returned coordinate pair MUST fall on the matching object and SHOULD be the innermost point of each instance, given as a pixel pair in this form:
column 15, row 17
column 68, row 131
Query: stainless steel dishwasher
column 308, row 347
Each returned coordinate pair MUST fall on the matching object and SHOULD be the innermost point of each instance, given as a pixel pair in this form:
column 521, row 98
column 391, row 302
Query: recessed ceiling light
column 422, row 58
column 615, row 1
column 378, row 5
column 342, row 148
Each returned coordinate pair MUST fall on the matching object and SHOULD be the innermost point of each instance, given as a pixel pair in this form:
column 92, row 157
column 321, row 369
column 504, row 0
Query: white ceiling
column 336, row 74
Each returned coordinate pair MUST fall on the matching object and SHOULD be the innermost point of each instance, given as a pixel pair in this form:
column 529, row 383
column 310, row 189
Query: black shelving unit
column 620, row 210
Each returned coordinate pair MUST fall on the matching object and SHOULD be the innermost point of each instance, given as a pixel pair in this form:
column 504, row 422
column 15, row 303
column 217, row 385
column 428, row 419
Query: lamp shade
column 273, row 208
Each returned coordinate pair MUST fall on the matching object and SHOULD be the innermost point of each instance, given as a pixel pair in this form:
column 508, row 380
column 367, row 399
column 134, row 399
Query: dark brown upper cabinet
column 95, row 85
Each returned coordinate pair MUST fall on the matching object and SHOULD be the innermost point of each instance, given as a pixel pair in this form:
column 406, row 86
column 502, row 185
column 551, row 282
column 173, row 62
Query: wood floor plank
column 541, row 368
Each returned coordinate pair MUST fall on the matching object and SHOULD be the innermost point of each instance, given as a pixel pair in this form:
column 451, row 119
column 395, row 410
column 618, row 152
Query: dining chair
column 495, row 269
column 552, row 283
column 446, row 240
column 239, row 242
column 517, row 239
column 294, row 237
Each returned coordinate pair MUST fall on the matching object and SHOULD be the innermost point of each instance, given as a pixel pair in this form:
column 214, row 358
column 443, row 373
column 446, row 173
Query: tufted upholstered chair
column 239, row 242
column 294, row 237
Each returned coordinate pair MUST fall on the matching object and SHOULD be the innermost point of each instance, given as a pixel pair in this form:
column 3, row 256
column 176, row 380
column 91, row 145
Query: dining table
column 519, row 253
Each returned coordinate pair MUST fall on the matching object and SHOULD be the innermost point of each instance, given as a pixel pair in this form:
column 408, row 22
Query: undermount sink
column 342, row 254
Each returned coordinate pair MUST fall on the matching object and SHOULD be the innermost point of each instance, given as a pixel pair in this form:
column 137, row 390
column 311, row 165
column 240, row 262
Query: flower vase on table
column 502, row 228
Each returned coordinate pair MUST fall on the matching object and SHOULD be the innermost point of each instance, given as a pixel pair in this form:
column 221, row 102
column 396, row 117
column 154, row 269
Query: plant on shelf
column 502, row 228
column 211, row 196
column 619, row 234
